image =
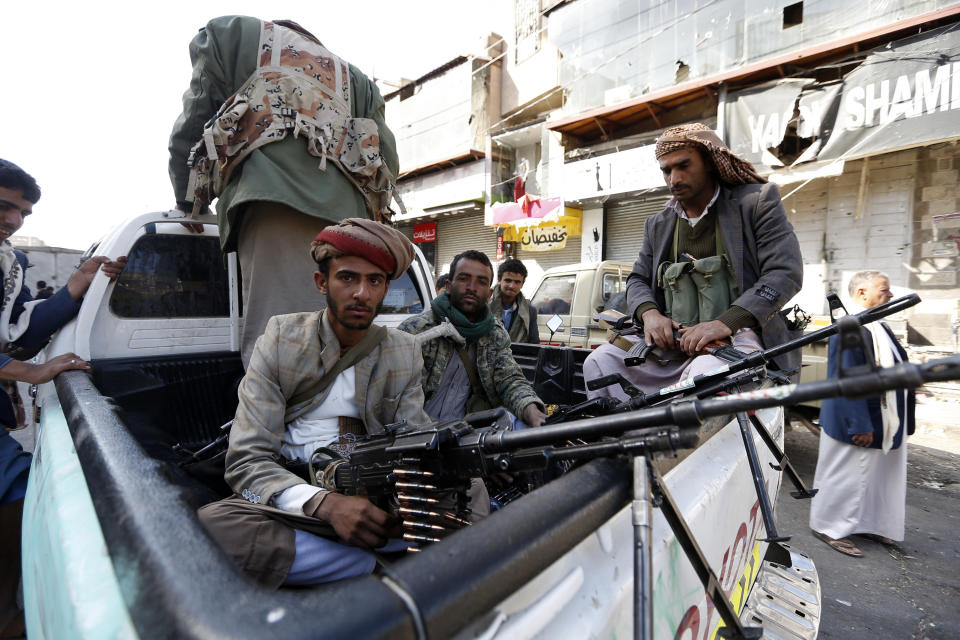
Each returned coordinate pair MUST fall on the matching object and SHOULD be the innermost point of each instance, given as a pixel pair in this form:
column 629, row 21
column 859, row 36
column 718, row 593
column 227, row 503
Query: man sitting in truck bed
column 473, row 368
column 314, row 377
column 718, row 262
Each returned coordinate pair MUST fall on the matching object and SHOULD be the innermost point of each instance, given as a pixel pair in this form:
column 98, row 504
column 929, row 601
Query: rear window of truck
column 173, row 276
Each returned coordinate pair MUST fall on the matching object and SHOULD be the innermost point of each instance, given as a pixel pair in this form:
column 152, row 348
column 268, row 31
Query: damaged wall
column 615, row 50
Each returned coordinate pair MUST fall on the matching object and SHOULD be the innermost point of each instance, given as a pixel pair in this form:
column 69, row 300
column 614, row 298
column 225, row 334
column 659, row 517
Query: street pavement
column 910, row 590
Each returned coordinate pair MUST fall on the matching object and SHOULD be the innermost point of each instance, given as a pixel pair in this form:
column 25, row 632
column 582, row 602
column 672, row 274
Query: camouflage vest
column 301, row 87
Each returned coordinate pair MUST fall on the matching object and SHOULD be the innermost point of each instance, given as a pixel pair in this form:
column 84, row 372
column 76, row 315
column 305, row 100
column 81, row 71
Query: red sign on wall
column 426, row 232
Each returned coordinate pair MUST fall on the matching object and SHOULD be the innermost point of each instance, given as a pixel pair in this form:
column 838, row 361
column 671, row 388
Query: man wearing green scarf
column 473, row 369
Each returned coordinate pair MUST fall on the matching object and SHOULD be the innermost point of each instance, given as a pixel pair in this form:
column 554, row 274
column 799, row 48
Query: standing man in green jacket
column 289, row 138
column 508, row 303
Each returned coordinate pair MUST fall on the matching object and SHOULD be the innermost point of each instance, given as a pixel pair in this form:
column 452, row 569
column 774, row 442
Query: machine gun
column 419, row 468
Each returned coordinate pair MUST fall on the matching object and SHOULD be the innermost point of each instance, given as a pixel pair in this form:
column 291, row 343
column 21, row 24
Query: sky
column 92, row 88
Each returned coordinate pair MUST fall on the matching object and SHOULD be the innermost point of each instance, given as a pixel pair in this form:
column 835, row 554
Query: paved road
column 908, row 591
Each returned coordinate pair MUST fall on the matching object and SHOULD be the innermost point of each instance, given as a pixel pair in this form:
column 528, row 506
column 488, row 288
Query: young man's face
column 687, row 175
column 470, row 288
column 876, row 293
column 510, row 285
column 13, row 207
column 355, row 288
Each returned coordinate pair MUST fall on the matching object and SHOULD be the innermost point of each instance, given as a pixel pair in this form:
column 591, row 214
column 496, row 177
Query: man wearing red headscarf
column 318, row 379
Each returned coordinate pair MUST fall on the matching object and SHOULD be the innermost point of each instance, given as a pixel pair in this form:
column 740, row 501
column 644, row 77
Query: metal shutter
column 570, row 254
column 623, row 226
column 407, row 230
column 459, row 233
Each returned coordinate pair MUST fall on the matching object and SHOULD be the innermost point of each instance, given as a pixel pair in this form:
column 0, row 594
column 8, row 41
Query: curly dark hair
column 511, row 266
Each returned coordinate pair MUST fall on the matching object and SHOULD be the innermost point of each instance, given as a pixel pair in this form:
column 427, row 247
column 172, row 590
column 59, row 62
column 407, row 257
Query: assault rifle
column 737, row 361
column 419, row 468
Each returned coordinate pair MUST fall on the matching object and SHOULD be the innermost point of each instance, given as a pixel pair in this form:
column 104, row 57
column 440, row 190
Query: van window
column 402, row 296
column 172, row 276
column 554, row 295
column 614, row 292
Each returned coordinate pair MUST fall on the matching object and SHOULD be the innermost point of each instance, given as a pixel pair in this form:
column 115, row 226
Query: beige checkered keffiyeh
column 732, row 170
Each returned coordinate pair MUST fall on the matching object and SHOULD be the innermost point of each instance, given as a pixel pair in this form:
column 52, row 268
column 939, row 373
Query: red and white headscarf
column 384, row 246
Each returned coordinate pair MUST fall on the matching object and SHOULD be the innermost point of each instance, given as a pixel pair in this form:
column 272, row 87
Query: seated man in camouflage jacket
column 467, row 362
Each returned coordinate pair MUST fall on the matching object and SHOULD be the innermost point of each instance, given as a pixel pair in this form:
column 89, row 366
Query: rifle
column 415, row 467
column 739, row 361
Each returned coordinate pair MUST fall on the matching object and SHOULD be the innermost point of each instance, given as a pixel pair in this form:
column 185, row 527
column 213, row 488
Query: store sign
column 543, row 238
column 426, row 232
column 901, row 95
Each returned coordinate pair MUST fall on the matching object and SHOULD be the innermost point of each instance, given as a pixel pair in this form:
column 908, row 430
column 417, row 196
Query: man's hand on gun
column 533, row 416
column 693, row 340
column 357, row 520
column 658, row 329
column 666, row 334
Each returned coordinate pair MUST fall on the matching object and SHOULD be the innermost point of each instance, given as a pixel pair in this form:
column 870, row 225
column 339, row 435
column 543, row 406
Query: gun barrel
column 692, row 413
column 864, row 317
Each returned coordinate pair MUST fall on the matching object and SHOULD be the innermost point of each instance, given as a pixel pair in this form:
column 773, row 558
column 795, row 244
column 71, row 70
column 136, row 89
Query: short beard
column 355, row 325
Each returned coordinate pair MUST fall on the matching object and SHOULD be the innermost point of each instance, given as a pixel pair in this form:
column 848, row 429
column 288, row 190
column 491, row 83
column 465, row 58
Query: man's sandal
column 877, row 538
column 843, row 545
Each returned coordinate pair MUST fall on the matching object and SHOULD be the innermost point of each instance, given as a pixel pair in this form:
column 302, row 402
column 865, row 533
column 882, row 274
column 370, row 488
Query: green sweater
column 224, row 56
column 700, row 241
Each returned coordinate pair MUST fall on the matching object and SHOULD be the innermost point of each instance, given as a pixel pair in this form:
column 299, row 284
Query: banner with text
column 904, row 94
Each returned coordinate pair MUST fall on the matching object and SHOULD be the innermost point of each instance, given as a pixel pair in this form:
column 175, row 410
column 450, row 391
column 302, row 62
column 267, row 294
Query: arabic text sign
column 426, row 232
column 543, row 238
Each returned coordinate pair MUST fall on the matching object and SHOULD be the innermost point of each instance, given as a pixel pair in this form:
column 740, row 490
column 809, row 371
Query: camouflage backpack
column 299, row 86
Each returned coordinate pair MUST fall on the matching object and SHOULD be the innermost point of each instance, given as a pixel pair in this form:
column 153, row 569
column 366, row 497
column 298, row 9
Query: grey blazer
column 759, row 241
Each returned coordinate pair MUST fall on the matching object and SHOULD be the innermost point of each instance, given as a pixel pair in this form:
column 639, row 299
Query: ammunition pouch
column 697, row 291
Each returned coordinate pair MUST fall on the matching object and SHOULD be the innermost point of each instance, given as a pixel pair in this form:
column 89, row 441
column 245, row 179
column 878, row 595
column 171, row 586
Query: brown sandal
column 877, row 538
column 843, row 545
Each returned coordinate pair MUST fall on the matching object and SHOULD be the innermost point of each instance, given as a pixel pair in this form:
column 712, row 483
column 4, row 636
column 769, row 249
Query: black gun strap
column 374, row 336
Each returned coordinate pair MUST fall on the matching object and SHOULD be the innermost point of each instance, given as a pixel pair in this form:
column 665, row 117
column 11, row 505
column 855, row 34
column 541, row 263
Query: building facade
column 853, row 108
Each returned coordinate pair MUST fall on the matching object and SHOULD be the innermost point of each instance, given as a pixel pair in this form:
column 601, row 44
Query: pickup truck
column 575, row 293
column 113, row 548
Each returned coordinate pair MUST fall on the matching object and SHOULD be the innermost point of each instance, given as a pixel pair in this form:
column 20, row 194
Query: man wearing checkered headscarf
column 731, row 169
column 721, row 207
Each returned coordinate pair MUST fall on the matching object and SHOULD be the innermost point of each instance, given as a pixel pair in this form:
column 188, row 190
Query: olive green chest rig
column 697, row 290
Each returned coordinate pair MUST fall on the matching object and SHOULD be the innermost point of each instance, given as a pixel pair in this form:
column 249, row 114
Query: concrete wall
column 936, row 229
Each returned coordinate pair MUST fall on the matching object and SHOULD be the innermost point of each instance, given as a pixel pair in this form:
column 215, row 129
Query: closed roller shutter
column 570, row 254
column 407, row 230
column 457, row 234
column 623, row 226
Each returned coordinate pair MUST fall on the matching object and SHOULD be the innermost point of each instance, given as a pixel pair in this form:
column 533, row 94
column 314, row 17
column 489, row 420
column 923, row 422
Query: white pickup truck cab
column 112, row 547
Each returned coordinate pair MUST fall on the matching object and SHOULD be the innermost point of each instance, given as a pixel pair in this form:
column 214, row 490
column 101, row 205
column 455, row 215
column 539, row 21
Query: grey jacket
column 289, row 358
column 524, row 327
column 762, row 247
